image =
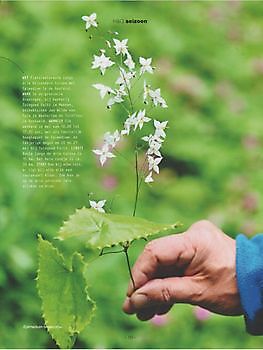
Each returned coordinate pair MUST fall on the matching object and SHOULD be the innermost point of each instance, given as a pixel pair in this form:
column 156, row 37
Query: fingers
column 160, row 295
column 147, row 313
column 166, row 251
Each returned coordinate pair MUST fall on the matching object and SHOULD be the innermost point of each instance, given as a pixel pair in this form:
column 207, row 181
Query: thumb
column 164, row 291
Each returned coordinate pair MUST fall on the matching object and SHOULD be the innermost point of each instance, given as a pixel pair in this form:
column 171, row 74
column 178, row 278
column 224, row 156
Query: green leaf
column 67, row 307
column 100, row 230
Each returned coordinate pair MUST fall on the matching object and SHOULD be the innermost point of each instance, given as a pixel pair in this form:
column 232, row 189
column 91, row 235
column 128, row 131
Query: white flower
column 159, row 128
column 103, row 89
column 157, row 98
column 130, row 121
column 141, row 119
column 129, row 62
column 154, row 148
column 147, row 138
column 118, row 96
column 145, row 92
column 102, row 62
column 145, row 65
column 163, row 103
column 152, row 138
column 104, row 153
column 121, row 46
column 153, row 163
column 121, row 91
column 113, row 100
column 125, row 77
column 149, row 178
column 112, row 139
column 90, row 20
column 98, row 205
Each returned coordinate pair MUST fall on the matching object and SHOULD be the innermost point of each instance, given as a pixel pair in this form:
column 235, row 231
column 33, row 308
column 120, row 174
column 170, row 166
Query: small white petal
column 92, row 203
column 101, row 203
column 149, row 178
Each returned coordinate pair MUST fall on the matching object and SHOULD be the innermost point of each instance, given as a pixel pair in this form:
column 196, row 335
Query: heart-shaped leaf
column 101, row 230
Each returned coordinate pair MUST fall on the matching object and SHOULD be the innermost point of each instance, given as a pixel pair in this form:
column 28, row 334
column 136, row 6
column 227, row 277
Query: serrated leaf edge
column 86, row 291
column 166, row 228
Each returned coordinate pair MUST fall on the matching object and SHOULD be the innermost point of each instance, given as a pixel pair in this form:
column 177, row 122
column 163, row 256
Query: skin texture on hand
column 197, row 267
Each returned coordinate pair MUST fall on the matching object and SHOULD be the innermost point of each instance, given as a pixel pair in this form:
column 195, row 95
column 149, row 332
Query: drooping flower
column 141, row 119
column 121, row 46
column 129, row 62
column 145, row 65
column 153, row 163
column 103, row 89
column 145, row 92
column 118, row 98
column 154, row 148
column 104, row 153
column 157, row 98
column 113, row 100
column 98, row 205
column 130, row 121
column 102, row 62
column 149, row 178
column 90, row 20
column 159, row 128
column 111, row 139
column 152, row 138
column 125, row 78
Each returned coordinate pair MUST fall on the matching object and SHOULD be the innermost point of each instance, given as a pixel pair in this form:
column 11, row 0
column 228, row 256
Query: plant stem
column 13, row 62
column 137, row 183
column 115, row 252
column 125, row 250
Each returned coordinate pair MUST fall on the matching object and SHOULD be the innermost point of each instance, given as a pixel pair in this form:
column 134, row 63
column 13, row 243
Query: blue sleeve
column 249, row 266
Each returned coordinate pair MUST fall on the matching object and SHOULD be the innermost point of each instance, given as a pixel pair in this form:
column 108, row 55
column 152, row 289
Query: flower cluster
column 130, row 71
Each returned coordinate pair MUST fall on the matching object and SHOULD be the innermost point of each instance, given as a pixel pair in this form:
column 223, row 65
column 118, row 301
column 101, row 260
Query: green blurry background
column 209, row 66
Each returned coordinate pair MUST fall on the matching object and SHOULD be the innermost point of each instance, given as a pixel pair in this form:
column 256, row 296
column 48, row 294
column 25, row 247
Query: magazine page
column 131, row 174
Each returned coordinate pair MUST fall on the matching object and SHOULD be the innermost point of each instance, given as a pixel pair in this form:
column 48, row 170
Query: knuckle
column 149, row 249
column 166, row 295
column 202, row 225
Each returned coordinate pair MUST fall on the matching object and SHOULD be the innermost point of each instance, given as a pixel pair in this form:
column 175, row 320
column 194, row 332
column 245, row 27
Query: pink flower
column 250, row 202
column 201, row 314
column 109, row 182
column 160, row 320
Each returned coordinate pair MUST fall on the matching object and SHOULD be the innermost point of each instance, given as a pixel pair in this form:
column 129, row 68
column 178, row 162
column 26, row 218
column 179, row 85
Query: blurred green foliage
column 209, row 66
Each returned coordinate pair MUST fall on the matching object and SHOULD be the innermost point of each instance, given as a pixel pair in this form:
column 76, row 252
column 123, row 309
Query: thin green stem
column 129, row 95
column 126, row 110
column 125, row 250
column 138, row 97
column 115, row 252
column 136, row 81
column 13, row 62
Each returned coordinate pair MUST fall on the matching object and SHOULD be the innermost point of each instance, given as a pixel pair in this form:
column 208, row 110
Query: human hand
column 196, row 267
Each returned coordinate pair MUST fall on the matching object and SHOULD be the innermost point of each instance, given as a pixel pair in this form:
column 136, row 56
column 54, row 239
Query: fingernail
column 139, row 300
column 130, row 290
